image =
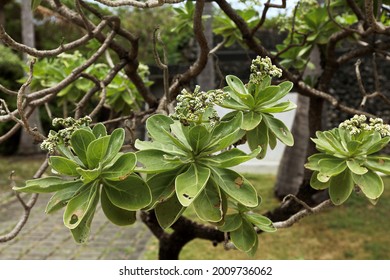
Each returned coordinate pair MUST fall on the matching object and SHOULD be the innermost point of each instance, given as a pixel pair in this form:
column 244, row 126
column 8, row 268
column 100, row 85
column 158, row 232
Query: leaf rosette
column 346, row 160
column 189, row 165
column 90, row 169
column 258, row 101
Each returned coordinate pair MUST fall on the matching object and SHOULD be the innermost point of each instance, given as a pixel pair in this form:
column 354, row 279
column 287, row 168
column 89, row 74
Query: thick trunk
column 27, row 144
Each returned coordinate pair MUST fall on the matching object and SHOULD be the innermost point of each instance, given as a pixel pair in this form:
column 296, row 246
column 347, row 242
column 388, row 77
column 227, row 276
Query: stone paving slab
column 44, row 237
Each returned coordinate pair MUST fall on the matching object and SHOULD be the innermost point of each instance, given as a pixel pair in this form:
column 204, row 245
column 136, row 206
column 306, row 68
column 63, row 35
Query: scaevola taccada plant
column 188, row 159
column 90, row 168
column 258, row 100
column 187, row 162
column 348, row 157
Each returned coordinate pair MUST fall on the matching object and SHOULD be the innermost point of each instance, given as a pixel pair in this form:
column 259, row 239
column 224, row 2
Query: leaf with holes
column 79, row 205
column 61, row 198
column 208, row 205
column 235, row 186
column 190, row 183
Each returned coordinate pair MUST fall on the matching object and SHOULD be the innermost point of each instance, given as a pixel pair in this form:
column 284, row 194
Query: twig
column 162, row 65
column 101, row 102
column 48, row 53
column 138, row 4
column 27, row 206
column 21, row 94
column 303, row 213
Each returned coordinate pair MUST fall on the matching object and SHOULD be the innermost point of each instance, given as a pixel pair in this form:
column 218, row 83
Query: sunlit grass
column 355, row 230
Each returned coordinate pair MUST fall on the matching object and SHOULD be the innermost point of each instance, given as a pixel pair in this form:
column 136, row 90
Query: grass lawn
column 355, row 230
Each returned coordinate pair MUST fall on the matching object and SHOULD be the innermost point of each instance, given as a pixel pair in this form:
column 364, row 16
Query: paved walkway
column 45, row 236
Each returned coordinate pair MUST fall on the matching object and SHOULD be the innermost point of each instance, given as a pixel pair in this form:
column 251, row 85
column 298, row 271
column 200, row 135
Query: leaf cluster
column 89, row 170
column 347, row 160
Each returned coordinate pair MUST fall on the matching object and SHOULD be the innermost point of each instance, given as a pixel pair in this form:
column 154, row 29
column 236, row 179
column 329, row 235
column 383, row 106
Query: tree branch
column 27, row 206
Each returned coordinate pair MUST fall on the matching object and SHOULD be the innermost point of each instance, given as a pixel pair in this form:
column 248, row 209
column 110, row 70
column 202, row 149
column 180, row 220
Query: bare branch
column 21, row 94
column 162, row 65
column 201, row 61
column 27, row 206
column 47, row 53
column 267, row 5
column 138, row 4
column 101, row 102
column 303, row 213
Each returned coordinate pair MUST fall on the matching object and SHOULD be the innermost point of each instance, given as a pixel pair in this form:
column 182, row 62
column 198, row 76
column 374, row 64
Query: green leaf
column 232, row 223
column 284, row 88
column 199, row 138
column 168, row 212
column 162, row 186
column 244, row 238
column 355, row 167
column 279, row 129
column 81, row 232
column 79, row 205
column 35, row 4
column 189, row 184
column 116, row 215
column 154, row 161
column 121, row 169
column 313, row 160
column 260, row 221
column 168, row 148
column 61, row 198
column 65, row 151
column 99, row 130
column 115, row 145
column 331, row 166
column 158, row 126
column 380, row 164
column 97, row 150
column 236, row 186
column 230, row 158
column 280, row 107
column 182, row 133
column 88, row 175
column 378, row 145
column 341, row 187
column 208, row 205
column 45, row 185
column 266, row 95
column 237, row 86
column 316, row 184
column 250, row 120
column 370, row 183
column 130, row 194
column 258, row 137
column 63, row 165
column 80, row 141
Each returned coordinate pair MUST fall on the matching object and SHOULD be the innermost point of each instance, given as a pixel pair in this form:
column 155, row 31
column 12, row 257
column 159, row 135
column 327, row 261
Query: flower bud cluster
column 261, row 68
column 358, row 124
column 63, row 135
column 191, row 106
